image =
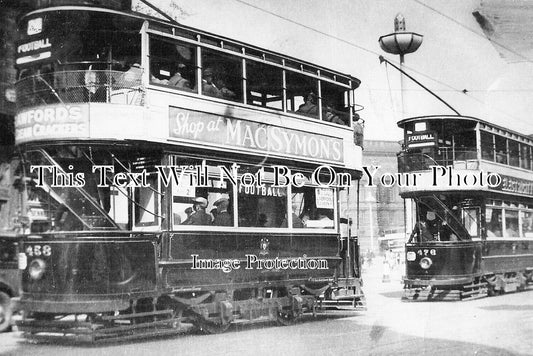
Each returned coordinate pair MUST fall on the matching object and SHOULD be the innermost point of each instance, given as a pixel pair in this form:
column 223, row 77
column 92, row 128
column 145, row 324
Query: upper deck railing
column 460, row 159
column 80, row 86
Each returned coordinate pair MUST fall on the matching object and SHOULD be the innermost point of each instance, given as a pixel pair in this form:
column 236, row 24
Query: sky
column 343, row 35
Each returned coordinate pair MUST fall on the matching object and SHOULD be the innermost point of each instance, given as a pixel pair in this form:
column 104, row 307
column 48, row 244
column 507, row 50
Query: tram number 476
column 38, row 250
column 426, row 251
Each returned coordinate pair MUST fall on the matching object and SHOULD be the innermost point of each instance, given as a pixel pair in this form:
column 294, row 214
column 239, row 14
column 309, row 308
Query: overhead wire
column 465, row 92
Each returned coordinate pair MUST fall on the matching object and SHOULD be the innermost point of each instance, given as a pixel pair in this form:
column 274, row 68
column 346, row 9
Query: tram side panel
column 260, row 257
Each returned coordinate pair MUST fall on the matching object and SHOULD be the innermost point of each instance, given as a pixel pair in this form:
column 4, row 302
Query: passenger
column 199, row 216
column 223, row 217
column 329, row 115
column 178, row 81
column 188, row 212
column 310, row 107
column 512, row 230
column 426, row 229
column 132, row 77
column 208, row 85
column 226, row 93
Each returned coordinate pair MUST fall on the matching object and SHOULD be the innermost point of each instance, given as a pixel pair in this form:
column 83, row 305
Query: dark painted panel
column 449, row 260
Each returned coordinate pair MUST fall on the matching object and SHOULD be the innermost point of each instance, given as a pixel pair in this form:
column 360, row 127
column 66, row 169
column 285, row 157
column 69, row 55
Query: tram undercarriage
column 487, row 285
column 211, row 312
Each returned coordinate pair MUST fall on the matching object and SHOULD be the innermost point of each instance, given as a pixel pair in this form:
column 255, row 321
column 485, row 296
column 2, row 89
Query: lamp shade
column 400, row 42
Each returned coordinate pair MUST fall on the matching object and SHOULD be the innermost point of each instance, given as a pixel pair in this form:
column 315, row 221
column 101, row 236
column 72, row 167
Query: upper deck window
column 173, row 64
column 335, row 105
column 487, row 146
column 501, row 149
column 514, row 153
column 525, row 156
column 222, row 75
column 264, row 84
column 89, row 53
column 302, row 94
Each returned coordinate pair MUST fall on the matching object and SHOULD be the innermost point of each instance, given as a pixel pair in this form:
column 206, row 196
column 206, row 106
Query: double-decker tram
column 471, row 185
column 181, row 177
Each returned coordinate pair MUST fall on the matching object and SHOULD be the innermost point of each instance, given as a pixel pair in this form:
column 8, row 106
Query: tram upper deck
column 464, row 153
column 104, row 75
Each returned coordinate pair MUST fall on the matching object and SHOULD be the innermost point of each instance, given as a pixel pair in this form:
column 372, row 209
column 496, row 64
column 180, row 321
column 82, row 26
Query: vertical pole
column 401, row 86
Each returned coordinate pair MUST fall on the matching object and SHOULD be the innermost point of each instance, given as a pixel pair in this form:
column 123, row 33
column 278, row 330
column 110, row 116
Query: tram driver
column 427, row 229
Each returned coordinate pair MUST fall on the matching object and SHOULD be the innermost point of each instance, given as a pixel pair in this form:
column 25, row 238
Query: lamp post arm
column 382, row 59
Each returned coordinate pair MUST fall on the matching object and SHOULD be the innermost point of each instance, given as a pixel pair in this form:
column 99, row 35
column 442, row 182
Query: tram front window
column 440, row 219
column 90, row 52
column 67, row 194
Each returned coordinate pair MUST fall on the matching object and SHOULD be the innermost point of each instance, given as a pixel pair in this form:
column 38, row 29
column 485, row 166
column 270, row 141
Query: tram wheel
column 211, row 327
column 6, row 312
column 286, row 319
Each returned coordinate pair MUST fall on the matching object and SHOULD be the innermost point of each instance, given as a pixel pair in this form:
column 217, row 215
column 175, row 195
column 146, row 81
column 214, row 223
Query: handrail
column 81, row 86
column 408, row 161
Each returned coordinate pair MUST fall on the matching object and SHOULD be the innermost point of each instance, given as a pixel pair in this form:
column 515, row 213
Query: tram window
column 264, row 84
column 314, row 207
column 501, row 149
column 527, row 224
column 302, row 96
column 94, row 37
column 525, row 156
column 514, row 153
column 221, row 75
column 465, row 145
column 261, row 206
column 493, row 218
column 173, row 63
column 146, row 205
column 511, row 223
column 212, row 205
column 335, row 104
column 470, row 221
column 487, row 146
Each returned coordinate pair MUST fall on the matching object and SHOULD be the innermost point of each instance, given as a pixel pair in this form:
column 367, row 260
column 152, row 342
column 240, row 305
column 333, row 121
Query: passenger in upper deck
column 178, row 81
column 213, row 85
column 329, row 114
column 310, row 107
column 208, row 86
column 132, row 77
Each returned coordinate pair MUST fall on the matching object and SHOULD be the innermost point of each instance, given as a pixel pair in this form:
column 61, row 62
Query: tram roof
column 485, row 124
column 269, row 56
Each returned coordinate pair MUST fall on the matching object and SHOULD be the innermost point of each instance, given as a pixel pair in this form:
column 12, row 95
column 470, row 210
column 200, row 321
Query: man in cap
column 177, row 79
column 199, row 216
column 223, row 217
column 427, row 228
column 208, row 83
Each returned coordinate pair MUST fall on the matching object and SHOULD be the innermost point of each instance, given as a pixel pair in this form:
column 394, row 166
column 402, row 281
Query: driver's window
column 470, row 221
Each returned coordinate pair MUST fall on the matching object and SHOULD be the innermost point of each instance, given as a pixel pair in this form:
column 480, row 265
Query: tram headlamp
column 36, row 269
column 425, row 262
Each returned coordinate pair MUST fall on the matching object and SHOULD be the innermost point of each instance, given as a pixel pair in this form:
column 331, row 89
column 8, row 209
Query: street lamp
column 400, row 42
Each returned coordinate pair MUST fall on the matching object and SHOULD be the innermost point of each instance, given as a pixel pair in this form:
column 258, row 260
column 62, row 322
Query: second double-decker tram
column 178, row 176
column 472, row 191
